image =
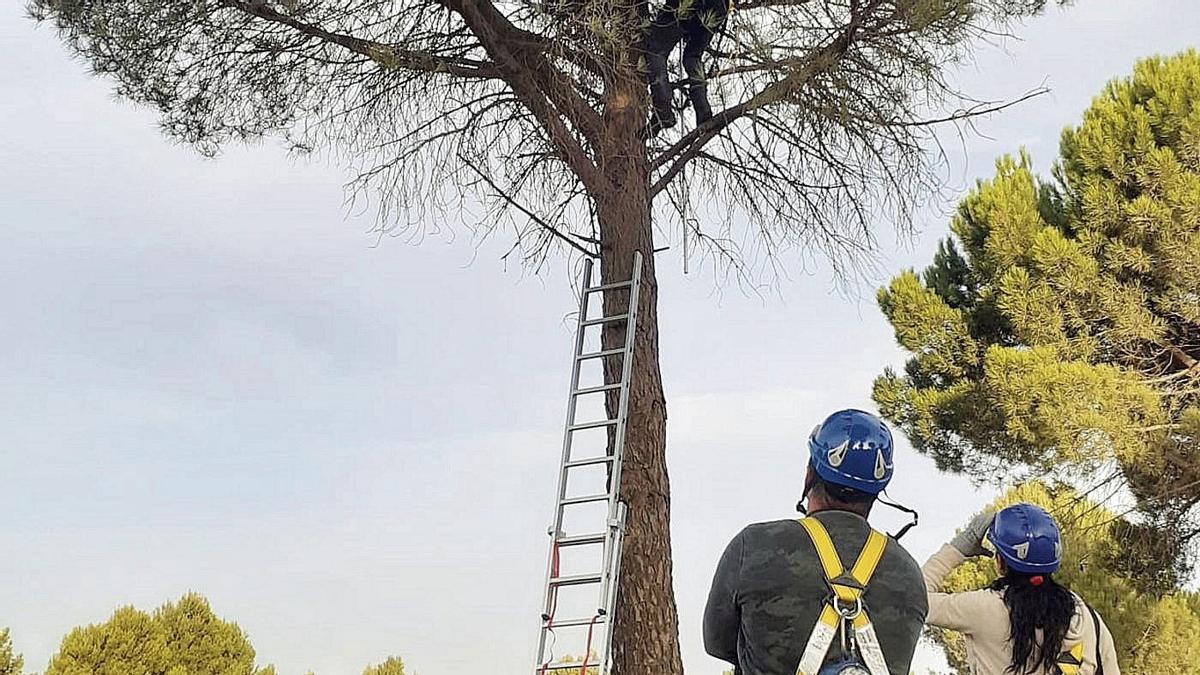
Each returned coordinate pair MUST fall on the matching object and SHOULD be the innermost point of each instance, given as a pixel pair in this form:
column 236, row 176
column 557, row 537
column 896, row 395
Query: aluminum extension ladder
column 593, row 654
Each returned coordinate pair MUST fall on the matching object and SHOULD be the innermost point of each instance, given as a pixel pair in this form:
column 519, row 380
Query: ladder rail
column 617, row 509
column 550, row 597
column 626, row 375
column 614, row 576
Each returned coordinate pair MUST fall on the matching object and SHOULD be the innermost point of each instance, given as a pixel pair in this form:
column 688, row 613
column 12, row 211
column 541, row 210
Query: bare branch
column 537, row 84
column 759, row 4
column 388, row 56
column 558, row 234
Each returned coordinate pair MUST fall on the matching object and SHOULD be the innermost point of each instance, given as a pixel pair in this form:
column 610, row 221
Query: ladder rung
column 591, row 425
column 576, row 580
column 600, row 354
column 608, row 287
column 589, row 461
column 581, row 540
column 605, row 319
column 597, row 390
column 586, row 499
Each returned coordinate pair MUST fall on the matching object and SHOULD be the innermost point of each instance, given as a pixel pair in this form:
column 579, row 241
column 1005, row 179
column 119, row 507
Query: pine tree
column 529, row 117
column 1058, row 330
column 392, row 666
column 180, row 638
column 11, row 663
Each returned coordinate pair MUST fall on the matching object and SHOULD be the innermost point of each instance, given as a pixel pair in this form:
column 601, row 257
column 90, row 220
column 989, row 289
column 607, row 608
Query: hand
column 969, row 540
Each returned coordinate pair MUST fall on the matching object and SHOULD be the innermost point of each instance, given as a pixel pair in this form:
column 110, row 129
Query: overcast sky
column 213, row 381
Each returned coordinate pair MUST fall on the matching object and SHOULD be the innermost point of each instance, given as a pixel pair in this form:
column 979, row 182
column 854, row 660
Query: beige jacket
column 983, row 619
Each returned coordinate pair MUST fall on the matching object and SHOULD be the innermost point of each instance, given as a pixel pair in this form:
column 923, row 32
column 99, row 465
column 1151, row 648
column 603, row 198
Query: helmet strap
column 801, row 506
column 882, row 498
column 916, row 517
column 809, row 482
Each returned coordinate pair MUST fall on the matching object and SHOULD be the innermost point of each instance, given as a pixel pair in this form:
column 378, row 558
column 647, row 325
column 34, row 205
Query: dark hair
column 1048, row 606
column 841, row 493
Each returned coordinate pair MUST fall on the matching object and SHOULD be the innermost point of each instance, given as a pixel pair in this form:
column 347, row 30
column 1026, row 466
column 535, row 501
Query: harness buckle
column 849, row 613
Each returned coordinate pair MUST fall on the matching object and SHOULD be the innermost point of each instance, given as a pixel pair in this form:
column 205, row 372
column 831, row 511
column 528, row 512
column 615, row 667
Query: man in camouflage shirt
column 769, row 588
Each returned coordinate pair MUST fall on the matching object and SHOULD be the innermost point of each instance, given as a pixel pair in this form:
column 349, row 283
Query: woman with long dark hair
column 1024, row 622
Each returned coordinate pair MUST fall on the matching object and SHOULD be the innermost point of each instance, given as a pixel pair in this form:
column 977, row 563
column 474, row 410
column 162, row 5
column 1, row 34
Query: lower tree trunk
column 646, row 628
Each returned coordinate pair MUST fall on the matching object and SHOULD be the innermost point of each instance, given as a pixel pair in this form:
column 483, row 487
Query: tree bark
column 646, row 627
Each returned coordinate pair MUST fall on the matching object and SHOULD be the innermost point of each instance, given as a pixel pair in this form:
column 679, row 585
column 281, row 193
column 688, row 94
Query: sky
column 215, row 380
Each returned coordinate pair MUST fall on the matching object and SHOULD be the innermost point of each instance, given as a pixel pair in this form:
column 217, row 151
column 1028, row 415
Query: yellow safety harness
column 1070, row 662
column 844, row 611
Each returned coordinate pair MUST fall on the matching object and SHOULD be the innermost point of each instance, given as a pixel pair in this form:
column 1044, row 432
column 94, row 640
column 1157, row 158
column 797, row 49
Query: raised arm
column 956, row 611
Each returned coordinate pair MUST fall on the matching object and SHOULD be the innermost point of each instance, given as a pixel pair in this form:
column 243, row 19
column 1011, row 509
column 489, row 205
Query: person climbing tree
column 695, row 23
column 1024, row 623
column 827, row 594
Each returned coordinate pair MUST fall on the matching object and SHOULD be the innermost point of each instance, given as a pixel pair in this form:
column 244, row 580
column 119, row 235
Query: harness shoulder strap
column 830, row 562
column 868, row 560
column 864, row 568
column 1096, row 624
column 847, row 589
column 1071, row 661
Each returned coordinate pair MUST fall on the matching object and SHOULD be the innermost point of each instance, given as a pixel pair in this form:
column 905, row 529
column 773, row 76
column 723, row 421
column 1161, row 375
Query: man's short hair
column 841, row 493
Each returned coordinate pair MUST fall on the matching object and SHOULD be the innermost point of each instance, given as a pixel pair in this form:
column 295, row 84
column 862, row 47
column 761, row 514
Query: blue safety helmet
column 853, row 449
column 1027, row 539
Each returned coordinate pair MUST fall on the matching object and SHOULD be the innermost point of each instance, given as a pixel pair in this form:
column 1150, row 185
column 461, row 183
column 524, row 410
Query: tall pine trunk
column 646, row 627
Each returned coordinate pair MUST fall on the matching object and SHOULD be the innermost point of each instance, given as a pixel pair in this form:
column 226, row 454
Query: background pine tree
column 180, row 638
column 1057, row 333
column 10, row 663
column 392, row 666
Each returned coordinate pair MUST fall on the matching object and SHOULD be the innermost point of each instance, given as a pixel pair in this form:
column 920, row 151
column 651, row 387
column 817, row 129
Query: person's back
column 826, row 593
column 769, row 592
column 1024, row 622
